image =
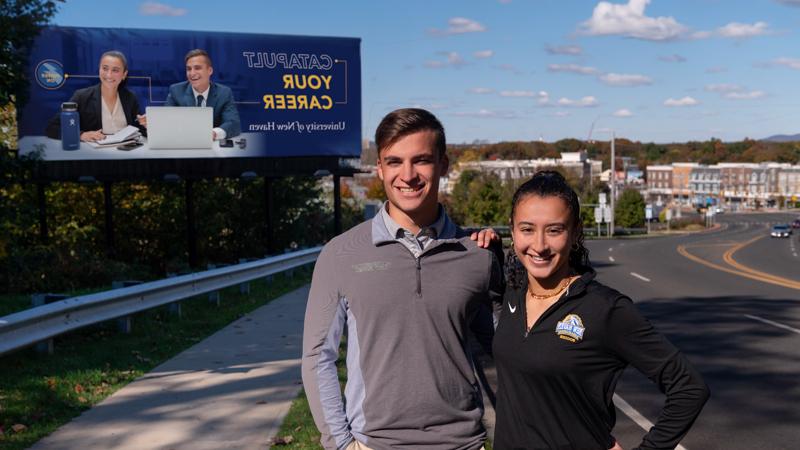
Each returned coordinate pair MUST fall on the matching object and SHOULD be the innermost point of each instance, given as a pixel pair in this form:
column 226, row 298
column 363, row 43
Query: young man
column 405, row 288
column 199, row 90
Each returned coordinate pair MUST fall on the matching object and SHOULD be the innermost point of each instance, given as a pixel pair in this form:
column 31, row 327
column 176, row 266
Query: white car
column 780, row 231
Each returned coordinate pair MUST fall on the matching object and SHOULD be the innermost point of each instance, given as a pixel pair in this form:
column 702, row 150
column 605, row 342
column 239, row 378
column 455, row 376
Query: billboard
column 296, row 96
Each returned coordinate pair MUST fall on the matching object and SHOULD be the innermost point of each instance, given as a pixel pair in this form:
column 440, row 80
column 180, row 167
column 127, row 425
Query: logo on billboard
column 50, row 74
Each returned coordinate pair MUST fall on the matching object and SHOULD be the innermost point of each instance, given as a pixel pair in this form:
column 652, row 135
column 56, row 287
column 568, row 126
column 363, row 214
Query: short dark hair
column 198, row 52
column 403, row 122
column 549, row 183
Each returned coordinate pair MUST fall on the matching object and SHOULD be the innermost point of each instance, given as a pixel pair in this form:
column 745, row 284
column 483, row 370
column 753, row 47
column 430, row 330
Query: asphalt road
column 730, row 300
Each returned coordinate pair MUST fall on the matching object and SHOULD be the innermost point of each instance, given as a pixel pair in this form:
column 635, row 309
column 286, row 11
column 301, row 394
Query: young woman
column 564, row 339
column 106, row 107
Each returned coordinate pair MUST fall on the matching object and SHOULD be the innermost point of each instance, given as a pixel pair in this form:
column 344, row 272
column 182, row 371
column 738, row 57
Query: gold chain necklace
column 558, row 290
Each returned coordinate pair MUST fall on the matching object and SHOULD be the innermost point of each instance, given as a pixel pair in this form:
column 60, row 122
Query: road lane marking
column 636, row 416
column 728, row 258
column 785, row 283
column 774, row 324
column 611, row 249
column 611, row 258
column 640, row 277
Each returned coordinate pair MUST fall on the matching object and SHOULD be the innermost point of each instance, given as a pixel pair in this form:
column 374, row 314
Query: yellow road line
column 780, row 282
column 728, row 258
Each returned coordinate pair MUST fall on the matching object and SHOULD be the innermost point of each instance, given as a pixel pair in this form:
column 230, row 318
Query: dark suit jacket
column 91, row 110
column 220, row 97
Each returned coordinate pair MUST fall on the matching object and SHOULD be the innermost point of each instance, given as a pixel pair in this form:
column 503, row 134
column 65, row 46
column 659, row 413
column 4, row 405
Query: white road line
column 640, row 277
column 774, row 324
column 611, row 258
column 637, row 417
column 611, row 249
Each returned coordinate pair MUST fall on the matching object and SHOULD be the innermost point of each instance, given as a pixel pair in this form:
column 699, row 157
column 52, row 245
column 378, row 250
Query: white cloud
column 584, row 102
column 672, row 58
column 685, row 101
column 508, row 68
column 562, row 114
column 460, row 25
column 543, row 97
column 734, row 91
column 743, row 30
column 517, row 94
column 160, row 9
column 431, row 106
column 481, row 90
column 486, row 114
column 452, row 59
column 624, row 79
column 564, row 49
column 624, row 113
column 701, row 35
column 572, row 68
column 723, row 88
column 629, row 20
column 752, row 95
column 716, row 69
column 483, row 54
column 792, row 63
column 790, row 2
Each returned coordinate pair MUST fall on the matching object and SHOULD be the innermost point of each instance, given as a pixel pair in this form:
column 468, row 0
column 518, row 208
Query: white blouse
column 113, row 120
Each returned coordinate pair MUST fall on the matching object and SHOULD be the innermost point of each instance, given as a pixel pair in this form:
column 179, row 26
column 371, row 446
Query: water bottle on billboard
column 70, row 126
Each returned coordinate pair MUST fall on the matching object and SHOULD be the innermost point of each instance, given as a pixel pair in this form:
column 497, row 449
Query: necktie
column 199, row 100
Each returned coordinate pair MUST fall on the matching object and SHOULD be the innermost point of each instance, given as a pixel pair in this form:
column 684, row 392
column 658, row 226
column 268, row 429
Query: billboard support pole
column 42, row 201
column 337, row 204
column 268, row 213
column 109, row 213
column 191, row 231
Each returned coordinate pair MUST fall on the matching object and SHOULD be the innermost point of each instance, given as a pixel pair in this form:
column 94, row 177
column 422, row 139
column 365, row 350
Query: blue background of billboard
column 159, row 54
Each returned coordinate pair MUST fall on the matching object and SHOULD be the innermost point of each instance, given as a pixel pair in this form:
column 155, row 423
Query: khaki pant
column 355, row 445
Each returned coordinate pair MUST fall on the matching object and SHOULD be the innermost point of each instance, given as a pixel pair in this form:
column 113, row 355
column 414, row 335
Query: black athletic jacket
column 556, row 382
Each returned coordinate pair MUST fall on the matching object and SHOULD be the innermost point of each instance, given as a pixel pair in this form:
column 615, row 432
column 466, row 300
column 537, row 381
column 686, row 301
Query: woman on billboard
column 106, row 107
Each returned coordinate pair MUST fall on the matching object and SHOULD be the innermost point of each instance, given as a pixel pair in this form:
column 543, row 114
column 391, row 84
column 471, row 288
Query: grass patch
column 39, row 393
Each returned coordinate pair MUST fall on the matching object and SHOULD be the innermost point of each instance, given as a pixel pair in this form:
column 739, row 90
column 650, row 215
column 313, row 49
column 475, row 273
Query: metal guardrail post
column 213, row 297
column 124, row 324
column 46, row 346
column 175, row 307
column 244, row 288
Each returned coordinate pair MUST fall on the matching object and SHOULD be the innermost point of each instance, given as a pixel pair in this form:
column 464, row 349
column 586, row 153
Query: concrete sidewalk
column 230, row 391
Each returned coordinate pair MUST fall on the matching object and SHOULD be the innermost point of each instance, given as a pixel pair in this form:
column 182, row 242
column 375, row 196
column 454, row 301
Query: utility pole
column 613, row 182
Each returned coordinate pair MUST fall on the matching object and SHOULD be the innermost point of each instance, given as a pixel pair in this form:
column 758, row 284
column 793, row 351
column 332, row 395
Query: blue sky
column 495, row 70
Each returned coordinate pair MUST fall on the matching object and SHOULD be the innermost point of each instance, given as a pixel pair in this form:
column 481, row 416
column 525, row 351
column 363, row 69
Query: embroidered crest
column 571, row 328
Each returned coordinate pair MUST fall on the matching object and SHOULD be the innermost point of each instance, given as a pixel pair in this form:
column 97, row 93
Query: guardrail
column 41, row 323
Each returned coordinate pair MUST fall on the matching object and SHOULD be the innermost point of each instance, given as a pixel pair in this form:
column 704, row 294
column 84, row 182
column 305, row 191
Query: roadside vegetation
column 40, row 392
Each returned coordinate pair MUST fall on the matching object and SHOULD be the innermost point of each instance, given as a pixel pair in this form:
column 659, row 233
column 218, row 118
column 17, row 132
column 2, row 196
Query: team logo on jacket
column 570, row 328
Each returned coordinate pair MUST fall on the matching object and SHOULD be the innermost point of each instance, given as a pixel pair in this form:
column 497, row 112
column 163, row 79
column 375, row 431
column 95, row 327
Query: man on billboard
column 405, row 287
column 199, row 90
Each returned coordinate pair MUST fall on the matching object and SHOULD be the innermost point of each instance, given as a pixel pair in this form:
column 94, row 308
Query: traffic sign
column 598, row 214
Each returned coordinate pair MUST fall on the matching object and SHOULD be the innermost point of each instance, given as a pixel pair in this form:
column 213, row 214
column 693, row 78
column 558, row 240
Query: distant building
column 576, row 163
column 735, row 185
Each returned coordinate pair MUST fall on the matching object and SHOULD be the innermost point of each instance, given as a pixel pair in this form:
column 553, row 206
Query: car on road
column 780, row 231
column 796, row 223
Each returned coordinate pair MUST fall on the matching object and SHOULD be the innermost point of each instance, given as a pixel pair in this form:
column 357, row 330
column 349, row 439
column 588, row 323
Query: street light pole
column 613, row 182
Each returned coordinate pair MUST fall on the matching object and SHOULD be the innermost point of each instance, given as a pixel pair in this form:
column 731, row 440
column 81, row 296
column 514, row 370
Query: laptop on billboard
column 178, row 127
